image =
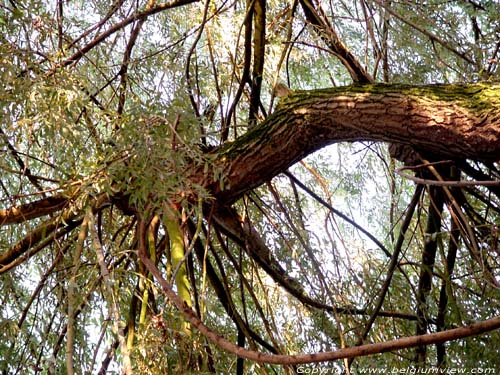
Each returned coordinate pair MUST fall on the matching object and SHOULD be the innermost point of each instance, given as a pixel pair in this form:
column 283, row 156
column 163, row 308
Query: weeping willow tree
column 248, row 187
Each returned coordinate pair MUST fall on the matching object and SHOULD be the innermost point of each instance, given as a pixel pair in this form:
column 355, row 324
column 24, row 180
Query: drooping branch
column 363, row 350
column 434, row 222
column 259, row 43
column 222, row 292
column 443, row 293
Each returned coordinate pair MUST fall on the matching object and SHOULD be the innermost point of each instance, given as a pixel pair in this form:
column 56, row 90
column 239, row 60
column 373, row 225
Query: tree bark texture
column 446, row 121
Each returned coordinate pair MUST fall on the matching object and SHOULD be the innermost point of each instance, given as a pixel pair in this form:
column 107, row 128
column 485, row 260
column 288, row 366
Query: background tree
column 163, row 206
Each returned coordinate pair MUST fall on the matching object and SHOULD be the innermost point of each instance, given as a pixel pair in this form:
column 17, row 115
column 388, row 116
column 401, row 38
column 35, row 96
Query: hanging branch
column 363, row 350
column 110, row 297
column 433, row 226
column 392, row 265
column 125, row 63
column 444, row 294
column 245, row 75
column 194, row 102
column 259, row 51
column 72, row 294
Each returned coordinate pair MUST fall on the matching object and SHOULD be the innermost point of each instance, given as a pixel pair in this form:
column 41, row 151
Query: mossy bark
column 448, row 121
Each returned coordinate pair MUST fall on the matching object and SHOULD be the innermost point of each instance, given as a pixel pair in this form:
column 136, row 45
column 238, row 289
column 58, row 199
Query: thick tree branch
column 36, row 240
column 45, row 206
column 326, row 32
column 448, row 121
column 46, row 232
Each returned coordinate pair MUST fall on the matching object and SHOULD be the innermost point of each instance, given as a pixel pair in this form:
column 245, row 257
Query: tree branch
column 32, row 210
column 448, row 121
column 368, row 349
column 120, row 25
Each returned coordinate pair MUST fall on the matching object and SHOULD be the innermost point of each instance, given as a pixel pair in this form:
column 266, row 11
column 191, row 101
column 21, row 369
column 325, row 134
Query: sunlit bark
column 446, row 121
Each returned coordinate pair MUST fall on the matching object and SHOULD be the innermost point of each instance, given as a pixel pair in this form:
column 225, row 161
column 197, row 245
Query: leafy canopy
column 115, row 115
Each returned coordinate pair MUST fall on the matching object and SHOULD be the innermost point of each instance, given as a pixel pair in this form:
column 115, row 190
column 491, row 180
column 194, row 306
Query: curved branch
column 448, row 121
column 393, row 263
column 368, row 349
column 247, row 237
column 338, row 213
column 120, row 25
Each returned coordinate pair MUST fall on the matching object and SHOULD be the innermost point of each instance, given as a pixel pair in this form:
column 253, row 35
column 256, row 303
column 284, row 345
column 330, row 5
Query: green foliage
column 123, row 127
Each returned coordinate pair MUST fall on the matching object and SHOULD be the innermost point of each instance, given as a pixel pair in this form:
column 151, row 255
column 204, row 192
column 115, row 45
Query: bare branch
column 363, row 350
